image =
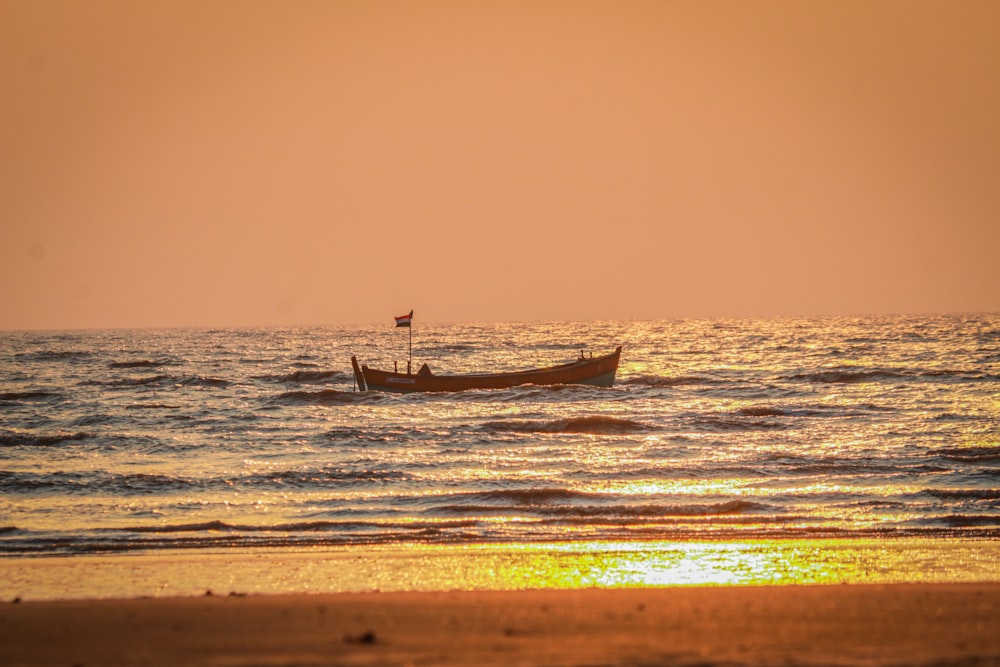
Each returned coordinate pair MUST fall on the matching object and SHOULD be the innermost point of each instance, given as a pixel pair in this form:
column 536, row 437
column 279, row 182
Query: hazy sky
column 231, row 162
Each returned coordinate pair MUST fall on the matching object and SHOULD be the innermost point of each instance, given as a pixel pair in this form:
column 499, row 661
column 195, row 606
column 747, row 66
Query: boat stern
column 359, row 376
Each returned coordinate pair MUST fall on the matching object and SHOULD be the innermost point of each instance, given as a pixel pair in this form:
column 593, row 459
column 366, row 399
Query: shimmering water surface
column 154, row 441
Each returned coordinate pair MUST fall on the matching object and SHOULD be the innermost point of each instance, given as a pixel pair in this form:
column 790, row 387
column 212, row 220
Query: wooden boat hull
column 594, row 371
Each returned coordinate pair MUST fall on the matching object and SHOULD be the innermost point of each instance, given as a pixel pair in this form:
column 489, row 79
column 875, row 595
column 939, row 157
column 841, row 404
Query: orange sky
column 175, row 163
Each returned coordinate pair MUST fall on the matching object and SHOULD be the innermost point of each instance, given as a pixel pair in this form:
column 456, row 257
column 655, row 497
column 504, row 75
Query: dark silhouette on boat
column 594, row 371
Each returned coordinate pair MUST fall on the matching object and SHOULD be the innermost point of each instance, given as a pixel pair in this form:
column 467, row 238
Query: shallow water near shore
column 163, row 442
column 503, row 567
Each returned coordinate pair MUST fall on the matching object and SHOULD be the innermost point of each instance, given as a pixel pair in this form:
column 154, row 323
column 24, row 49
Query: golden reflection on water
column 507, row 567
column 764, row 562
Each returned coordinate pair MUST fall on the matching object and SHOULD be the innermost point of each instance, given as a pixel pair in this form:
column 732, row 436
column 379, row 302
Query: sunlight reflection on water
column 506, row 567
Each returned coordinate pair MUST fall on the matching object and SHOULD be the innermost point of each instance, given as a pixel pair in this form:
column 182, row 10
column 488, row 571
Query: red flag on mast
column 404, row 320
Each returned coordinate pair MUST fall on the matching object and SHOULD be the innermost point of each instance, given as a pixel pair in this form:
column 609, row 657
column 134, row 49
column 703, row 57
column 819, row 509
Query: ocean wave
column 968, row 454
column 219, row 534
column 54, row 355
column 656, row 523
column 152, row 406
column 873, row 504
column 27, row 395
column 672, row 381
column 761, row 411
column 161, row 380
column 858, row 467
column 309, row 478
column 792, row 464
column 792, row 411
column 847, row 376
column 293, row 527
column 557, row 391
column 129, row 382
column 89, row 544
column 562, row 499
column 592, row 425
column 148, row 483
column 141, row 363
column 546, row 346
column 723, row 528
column 325, row 397
column 512, row 502
column 436, row 350
column 525, row 393
column 959, row 375
column 540, row 496
column 869, row 407
column 305, row 377
column 93, row 420
column 851, row 375
column 720, row 423
column 953, row 417
column 964, row 494
column 98, row 481
column 968, row 520
column 151, row 484
column 203, row 381
column 351, row 435
column 175, row 528
column 22, row 439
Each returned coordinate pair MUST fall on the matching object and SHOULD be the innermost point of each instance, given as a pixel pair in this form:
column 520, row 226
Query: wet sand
column 891, row 624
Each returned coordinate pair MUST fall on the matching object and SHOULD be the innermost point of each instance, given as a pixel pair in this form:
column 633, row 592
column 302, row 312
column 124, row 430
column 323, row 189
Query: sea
column 726, row 431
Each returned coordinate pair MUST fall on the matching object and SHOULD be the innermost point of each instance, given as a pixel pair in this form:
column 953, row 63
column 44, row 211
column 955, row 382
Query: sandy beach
column 899, row 624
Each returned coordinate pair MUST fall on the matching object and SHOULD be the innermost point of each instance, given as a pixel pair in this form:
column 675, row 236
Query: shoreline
column 876, row 624
column 830, row 602
column 495, row 567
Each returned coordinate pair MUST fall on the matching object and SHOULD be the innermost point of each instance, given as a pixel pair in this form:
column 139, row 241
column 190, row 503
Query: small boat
column 594, row 371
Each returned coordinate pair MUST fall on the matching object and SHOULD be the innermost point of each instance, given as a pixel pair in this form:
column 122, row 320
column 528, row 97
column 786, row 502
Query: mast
column 405, row 321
